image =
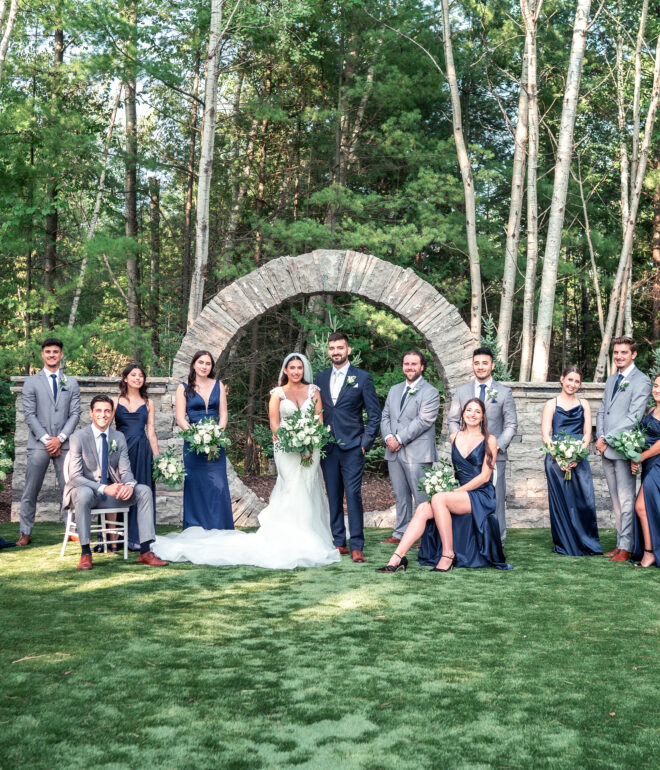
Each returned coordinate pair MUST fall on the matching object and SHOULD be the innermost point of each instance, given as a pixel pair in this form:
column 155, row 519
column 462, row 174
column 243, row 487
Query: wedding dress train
column 294, row 528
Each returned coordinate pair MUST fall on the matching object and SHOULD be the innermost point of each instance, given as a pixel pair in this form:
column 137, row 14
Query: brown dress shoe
column 391, row 539
column 342, row 549
column 614, row 552
column 23, row 540
column 357, row 555
column 85, row 561
column 74, row 538
column 151, row 559
column 621, row 556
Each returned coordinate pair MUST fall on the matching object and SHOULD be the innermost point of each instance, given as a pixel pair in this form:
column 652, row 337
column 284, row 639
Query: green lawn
column 553, row 664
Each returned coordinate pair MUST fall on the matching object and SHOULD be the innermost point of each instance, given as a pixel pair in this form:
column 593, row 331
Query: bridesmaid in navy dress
column 647, row 506
column 206, row 500
column 477, row 537
column 573, row 522
column 135, row 418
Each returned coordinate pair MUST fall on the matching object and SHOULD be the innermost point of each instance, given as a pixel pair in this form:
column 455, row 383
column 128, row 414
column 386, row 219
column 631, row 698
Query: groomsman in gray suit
column 624, row 402
column 500, row 413
column 408, row 429
column 51, row 406
column 100, row 476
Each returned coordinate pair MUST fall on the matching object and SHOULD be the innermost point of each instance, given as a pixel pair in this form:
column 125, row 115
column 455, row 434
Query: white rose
column 207, row 438
column 197, row 439
column 207, row 449
column 569, row 453
column 171, row 468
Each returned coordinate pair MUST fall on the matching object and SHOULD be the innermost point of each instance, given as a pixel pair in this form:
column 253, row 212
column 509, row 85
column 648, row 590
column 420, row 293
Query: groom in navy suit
column 345, row 392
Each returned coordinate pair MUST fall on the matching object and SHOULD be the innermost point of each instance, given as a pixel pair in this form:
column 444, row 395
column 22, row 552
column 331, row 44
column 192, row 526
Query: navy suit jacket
column 344, row 419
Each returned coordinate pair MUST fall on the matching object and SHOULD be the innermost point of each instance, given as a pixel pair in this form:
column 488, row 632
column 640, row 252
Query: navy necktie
column 104, row 459
column 54, row 379
column 482, row 394
column 619, row 377
column 404, row 397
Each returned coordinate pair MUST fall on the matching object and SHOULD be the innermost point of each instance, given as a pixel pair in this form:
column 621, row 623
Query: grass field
column 554, row 664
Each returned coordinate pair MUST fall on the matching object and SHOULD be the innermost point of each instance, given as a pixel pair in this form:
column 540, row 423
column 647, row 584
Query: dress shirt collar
column 98, row 432
column 342, row 370
column 627, row 371
column 477, row 385
column 49, row 374
column 414, row 383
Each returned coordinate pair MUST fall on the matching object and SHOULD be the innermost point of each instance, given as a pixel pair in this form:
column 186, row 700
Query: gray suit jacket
column 619, row 411
column 414, row 424
column 84, row 466
column 500, row 413
column 45, row 416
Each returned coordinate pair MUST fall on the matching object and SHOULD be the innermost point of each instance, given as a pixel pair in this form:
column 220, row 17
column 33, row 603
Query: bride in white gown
column 294, row 528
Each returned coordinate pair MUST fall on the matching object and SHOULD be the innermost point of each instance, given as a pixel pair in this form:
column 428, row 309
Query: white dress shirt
column 410, row 386
column 99, row 452
column 337, row 379
column 477, row 387
column 62, row 436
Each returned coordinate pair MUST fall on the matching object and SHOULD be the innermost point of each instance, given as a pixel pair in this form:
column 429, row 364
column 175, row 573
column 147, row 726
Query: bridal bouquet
column 206, row 437
column 629, row 443
column 168, row 468
column 438, row 479
column 303, row 433
column 566, row 450
column 6, row 463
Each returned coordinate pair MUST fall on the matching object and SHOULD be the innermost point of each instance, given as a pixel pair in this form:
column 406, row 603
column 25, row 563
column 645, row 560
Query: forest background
column 152, row 152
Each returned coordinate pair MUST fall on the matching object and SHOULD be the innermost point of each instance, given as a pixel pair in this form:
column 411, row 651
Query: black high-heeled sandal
column 639, row 563
column 451, row 566
column 403, row 564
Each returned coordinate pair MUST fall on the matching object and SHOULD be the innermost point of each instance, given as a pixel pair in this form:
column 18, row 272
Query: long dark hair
column 284, row 377
column 484, row 428
column 192, row 374
column 123, row 386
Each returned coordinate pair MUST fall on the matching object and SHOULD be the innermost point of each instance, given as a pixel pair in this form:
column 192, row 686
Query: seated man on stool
column 100, row 477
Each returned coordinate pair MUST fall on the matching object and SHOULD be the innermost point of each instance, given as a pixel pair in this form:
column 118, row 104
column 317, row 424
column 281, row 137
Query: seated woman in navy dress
column 135, row 418
column 206, row 500
column 647, row 506
column 451, row 538
column 573, row 522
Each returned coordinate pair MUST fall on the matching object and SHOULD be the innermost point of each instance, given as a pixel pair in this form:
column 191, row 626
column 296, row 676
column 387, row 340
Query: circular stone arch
column 326, row 271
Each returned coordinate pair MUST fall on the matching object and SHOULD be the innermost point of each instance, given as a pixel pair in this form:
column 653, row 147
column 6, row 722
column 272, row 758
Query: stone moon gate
column 323, row 271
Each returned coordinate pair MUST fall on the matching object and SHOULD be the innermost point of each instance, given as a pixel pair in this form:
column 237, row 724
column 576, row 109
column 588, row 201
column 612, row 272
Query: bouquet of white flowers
column 6, row 463
column 168, row 468
column 439, row 478
column 629, row 443
column 303, row 432
column 206, row 437
column 566, row 450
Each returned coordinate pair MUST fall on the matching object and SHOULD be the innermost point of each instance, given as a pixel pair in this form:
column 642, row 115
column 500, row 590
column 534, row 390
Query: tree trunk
column 655, row 291
column 466, row 174
column 629, row 232
column 91, row 226
column 154, row 262
column 530, row 14
column 206, row 164
column 11, row 18
column 592, row 256
column 50, row 256
column 515, row 211
column 190, row 187
column 130, row 172
column 560, row 188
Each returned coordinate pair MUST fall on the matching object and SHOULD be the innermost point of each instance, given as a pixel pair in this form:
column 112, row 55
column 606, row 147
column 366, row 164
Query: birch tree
column 629, row 232
column 560, row 189
column 11, row 19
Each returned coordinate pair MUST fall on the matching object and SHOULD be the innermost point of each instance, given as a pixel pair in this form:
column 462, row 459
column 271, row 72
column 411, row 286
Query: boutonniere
column 412, row 391
column 623, row 385
column 491, row 394
column 350, row 381
column 62, row 382
column 113, row 446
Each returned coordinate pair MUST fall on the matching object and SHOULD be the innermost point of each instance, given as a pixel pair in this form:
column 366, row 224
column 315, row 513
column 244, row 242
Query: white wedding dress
column 294, row 528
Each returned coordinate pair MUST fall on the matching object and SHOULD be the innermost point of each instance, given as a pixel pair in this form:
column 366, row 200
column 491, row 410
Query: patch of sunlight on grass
column 366, row 598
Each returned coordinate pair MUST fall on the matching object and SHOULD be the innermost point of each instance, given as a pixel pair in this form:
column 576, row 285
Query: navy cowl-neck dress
column 132, row 425
column 651, row 488
column 573, row 522
column 477, row 541
column 206, row 500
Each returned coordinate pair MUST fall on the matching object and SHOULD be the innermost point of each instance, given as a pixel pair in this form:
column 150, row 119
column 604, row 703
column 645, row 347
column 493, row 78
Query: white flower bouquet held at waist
column 439, row 478
column 566, row 450
column 303, row 432
column 168, row 468
column 206, row 437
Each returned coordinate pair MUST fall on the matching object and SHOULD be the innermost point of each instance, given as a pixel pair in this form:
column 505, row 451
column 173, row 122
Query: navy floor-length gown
column 651, row 487
column 477, row 541
column 132, row 425
column 206, row 500
column 573, row 522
